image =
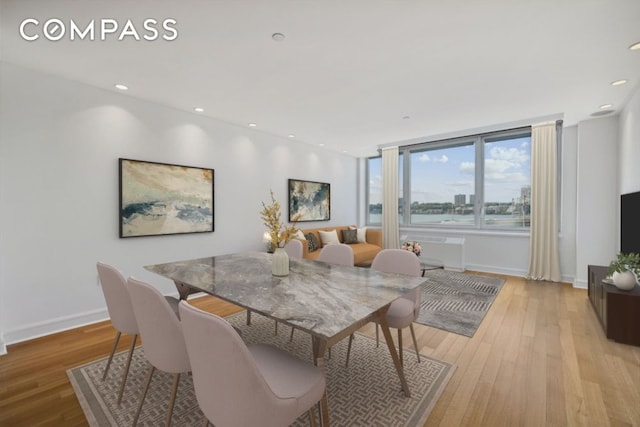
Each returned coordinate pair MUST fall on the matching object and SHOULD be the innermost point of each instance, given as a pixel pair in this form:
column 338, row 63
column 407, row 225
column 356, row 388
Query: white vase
column 625, row 280
column 280, row 263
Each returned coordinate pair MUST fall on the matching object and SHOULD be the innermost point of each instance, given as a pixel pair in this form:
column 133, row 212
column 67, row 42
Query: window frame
column 479, row 142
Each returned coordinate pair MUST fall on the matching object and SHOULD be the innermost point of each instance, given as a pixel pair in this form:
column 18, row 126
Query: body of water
column 425, row 219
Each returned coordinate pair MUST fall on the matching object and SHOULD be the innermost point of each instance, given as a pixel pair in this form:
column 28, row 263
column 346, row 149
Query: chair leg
column 248, row 317
column 400, row 347
column 144, row 393
column 291, row 337
column 415, row 343
column 113, row 351
column 349, row 350
column 276, row 328
column 312, row 417
column 172, row 399
column 377, row 335
column 126, row 369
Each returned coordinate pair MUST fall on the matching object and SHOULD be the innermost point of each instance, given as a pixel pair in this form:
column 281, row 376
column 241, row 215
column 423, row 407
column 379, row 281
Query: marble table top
column 323, row 299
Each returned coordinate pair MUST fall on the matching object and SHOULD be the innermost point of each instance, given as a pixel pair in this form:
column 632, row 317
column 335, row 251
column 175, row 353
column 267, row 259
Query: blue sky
column 438, row 175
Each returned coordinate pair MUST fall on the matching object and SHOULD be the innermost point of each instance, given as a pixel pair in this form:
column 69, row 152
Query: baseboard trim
column 580, row 284
column 496, row 270
column 3, row 346
column 40, row 329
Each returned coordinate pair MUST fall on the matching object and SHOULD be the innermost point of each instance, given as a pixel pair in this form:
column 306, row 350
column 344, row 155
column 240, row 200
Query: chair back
column 114, row 288
column 160, row 328
column 335, row 253
column 400, row 261
column 294, row 249
column 230, row 388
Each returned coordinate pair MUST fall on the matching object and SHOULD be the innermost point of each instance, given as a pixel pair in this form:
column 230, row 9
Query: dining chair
column 337, row 253
column 114, row 289
column 162, row 338
column 294, row 249
column 404, row 310
column 246, row 385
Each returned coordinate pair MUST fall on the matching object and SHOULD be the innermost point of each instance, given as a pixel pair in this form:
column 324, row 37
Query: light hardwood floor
column 539, row 358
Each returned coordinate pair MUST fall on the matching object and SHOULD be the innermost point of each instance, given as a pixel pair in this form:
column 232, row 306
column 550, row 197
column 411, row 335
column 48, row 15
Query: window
column 481, row 181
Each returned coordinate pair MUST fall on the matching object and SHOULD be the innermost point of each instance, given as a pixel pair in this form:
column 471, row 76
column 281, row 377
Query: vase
column 625, row 280
column 280, row 263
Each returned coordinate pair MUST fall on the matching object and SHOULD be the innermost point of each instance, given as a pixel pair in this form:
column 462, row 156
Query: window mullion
column 479, row 183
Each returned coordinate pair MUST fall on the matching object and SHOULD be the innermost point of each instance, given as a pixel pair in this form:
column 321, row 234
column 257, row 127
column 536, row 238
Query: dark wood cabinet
column 618, row 311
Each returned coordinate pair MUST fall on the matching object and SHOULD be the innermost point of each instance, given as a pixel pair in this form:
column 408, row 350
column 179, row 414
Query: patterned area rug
column 457, row 302
column 367, row 393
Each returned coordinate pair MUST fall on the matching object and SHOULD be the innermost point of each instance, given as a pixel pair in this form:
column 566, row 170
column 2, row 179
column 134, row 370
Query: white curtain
column 543, row 247
column 390, row 228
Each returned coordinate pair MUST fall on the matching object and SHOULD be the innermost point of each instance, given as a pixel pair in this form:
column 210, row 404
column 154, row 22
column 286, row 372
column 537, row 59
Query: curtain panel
column 544, row 261
column 390, row 227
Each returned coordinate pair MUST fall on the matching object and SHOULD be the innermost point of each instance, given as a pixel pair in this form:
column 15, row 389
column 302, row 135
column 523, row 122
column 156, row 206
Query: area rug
column 367, row 393
column 456, row 302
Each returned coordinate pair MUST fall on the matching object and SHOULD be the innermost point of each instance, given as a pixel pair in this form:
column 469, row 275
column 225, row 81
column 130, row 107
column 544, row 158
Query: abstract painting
column 311, row 200
column 160, row 199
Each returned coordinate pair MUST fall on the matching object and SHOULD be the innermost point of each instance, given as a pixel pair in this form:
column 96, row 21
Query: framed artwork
column 311, row 200
column 159, row 199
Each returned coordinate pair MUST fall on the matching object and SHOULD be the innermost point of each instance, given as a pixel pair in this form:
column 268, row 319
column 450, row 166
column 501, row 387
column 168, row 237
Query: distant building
column 472, row 199
column 525, row 193
column 460, row 199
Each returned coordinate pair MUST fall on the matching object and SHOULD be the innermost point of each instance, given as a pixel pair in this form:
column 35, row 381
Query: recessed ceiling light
column 321, row 145
column 291, row 135
column 198, row 109
column 406, row 117
column 121, row 87
column 252, row 125
column 605, row 106
column 635, row 46
column 278, row 37
column 618, row 82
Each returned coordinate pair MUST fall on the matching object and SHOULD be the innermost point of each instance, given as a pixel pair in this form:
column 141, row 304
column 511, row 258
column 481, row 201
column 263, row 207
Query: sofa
column 363, row 252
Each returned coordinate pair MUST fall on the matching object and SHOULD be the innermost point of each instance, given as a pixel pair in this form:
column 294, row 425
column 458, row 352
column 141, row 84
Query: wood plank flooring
column 539, row 358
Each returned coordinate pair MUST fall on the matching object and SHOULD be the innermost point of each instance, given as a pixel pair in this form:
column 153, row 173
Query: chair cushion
column 289, row 377
column 400, row 314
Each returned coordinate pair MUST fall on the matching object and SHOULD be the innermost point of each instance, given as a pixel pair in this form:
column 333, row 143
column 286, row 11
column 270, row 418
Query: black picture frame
column 159, row 199
column 311, row 200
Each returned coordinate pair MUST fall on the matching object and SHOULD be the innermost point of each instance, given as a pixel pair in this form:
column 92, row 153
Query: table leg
column 382, row 319
column 183, row 289
column 319, row 347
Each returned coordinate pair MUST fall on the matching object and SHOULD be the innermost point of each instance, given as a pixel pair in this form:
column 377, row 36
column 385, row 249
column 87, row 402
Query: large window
column 482, row 181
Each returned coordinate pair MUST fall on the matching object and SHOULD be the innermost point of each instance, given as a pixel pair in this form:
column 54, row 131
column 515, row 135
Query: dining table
column 328, row 301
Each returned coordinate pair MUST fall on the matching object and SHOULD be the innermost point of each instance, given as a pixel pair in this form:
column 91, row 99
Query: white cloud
column 467, row 168
column 424, row 158
column 442, row 159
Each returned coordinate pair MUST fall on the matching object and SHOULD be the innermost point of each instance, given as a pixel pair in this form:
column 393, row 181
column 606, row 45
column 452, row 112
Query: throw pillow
column 312, row 242
column 362, row 235
column 350, row 236
column 299, row 235
column 329, row 237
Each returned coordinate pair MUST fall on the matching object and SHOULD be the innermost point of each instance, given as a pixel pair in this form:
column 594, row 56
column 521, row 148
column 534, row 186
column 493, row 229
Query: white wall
column 597, row 195
column 629, row 156
column 60, row 145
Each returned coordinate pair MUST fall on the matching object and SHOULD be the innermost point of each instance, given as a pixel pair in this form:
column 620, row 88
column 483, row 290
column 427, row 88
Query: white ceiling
column 350, row 71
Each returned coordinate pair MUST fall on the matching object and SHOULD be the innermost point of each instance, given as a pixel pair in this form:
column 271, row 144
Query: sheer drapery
column 543, row 247
column 390, row 227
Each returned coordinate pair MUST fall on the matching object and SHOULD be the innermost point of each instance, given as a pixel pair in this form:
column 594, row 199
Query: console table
column 618, row 311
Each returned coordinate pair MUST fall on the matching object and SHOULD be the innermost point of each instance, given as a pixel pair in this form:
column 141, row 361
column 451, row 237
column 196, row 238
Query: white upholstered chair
column 404, row 310
column 114, row 288
column 294, row 249
column 240, row 385
column 162, row 339
column 337, row 253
